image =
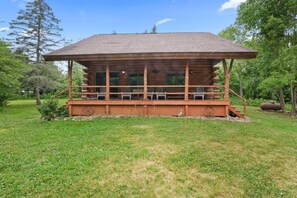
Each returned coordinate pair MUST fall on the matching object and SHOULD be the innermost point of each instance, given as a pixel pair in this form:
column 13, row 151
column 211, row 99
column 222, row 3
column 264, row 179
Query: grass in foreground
column 146, row 157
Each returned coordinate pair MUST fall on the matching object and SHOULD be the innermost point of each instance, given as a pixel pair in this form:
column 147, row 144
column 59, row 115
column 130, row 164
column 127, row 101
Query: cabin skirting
column 209, row 108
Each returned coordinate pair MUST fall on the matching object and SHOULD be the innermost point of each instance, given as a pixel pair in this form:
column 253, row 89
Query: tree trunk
column 38, row 40
column 282, row 100
column 240, row 83
column 37, row 95
column 293, row 99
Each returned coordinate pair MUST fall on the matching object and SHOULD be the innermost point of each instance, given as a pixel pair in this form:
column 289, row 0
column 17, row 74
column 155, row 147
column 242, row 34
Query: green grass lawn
column 146, row 157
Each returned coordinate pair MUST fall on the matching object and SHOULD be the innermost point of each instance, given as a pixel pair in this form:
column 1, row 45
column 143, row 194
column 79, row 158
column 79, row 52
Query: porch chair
column 160, row 93
column 199, row 93
column 101, row 94
column 127, row 94
column 150, row 93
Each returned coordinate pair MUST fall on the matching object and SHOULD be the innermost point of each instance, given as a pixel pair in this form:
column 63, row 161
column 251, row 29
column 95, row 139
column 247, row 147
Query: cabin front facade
column 172, row 74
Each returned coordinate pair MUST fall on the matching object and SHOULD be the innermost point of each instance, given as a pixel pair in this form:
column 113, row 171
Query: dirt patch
column 163, row 149
column 142, row 126
column 151, row 170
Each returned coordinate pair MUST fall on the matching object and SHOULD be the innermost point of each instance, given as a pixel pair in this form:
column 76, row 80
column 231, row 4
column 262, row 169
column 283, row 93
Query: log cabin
column 171, row 74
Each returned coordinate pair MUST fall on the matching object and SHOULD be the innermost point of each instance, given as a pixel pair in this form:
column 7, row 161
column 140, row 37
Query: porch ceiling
column 164, row 63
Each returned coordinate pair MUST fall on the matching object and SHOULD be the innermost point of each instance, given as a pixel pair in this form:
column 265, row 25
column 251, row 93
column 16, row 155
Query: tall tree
column 154, row 29
column 10, row 71
column 274, row 23
column 36, row 31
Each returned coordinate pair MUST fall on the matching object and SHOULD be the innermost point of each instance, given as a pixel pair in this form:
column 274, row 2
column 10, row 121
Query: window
column 101, row 81
column 135, row 79
column 100, row 78
column 175, row 79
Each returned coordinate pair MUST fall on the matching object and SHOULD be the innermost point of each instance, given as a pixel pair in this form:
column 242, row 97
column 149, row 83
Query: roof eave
column 146, row 56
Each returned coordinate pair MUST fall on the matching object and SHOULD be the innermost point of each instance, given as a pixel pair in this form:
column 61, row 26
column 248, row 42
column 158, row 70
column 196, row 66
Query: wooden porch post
column 187, row 81
column 187, row 71
column 107, row 71
column 70, row 64
column 227, row 73
column 145, row 81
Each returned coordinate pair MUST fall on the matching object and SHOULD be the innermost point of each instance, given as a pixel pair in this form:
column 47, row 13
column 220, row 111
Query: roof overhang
column 151, row 56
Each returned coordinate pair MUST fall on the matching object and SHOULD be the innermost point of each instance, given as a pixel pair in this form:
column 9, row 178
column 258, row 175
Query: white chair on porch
column 199, row 93
column 150, row 93
column 127, row 94
column 160, row 93
column 101, row 94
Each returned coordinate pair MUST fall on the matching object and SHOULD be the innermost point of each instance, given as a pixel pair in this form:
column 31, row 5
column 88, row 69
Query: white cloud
column 3, row 29
column 231, row 4
column 166, row 20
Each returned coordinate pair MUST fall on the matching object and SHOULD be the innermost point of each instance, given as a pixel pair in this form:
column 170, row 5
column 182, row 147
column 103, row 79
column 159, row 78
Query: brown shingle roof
column 106, row 44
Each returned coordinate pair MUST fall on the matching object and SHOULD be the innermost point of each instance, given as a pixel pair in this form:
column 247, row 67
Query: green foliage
column 11, row 68
column 255, row 102
column 62, row 112
column 50, row 110
column 45, row 76
column 36, row 31
column 269, row 26
column 3, row 100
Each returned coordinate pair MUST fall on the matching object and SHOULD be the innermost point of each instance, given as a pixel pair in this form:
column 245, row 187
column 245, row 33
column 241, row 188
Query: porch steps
column 233, row 111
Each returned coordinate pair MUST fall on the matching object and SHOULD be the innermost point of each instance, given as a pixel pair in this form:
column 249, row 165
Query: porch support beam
column 145, row 81
column 70, row 65
column 227, row 73
column 187, row 81
column 107, row 97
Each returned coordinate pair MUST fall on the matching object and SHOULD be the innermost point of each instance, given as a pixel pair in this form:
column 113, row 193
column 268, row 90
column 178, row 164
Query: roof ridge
column 158, row 33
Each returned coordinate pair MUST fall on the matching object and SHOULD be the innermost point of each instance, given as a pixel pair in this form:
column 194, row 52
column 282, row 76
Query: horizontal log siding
column 202, row 71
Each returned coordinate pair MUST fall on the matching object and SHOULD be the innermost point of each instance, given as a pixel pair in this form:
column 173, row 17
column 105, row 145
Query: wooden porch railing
column 242, row 98
column 60, row 93
column 209, row 90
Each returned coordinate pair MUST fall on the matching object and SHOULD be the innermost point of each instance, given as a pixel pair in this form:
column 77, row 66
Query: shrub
column 50, row 110
column 3, row 100
column 62, row 112
column 255, row 102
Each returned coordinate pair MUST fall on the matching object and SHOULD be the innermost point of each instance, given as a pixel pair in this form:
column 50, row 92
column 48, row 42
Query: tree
column 154, row 29
column 42, row 77
column 10, row 71
column 235, row 34
column 273, row 23
column 36, row 31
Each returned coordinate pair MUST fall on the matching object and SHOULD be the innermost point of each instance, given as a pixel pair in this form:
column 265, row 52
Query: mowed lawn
column 146, row 157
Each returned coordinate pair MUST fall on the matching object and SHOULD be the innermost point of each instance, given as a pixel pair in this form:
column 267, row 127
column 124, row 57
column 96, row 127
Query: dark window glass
column 135, row 79
column 175, row 79
column 100, row 80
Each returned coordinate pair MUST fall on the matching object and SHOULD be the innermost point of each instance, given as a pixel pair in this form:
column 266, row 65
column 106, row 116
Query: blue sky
column 83, row 18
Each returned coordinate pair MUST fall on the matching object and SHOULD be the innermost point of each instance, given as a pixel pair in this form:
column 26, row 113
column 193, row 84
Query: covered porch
column 186, row 87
